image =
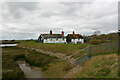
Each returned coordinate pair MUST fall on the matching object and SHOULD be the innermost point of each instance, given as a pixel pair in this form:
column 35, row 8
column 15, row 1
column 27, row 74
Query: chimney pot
column 63, row 33
column 50, row 31
column 73, row 32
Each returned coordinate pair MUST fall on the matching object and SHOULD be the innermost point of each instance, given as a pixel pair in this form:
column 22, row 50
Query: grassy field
column 60, row 48
column 102, row 66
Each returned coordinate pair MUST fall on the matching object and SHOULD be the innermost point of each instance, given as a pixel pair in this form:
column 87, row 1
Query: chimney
column 63, row 33
column 50, row 31
column 73, row 32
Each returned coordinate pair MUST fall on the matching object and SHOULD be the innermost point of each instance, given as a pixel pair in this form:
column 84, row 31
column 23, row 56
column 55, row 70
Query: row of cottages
column 60, row 38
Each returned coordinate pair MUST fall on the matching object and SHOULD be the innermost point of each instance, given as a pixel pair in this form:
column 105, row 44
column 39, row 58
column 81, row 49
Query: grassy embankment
column 102, row 49
column 101, row 66
column 47, row 63
column 60, row 48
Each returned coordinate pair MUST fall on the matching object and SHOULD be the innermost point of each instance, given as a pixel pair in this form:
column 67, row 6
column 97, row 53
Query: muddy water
column 29, row 71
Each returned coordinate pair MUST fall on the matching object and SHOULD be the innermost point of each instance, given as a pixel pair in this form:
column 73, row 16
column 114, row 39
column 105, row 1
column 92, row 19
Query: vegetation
column 56, row 70
column 10, row 69
column 47, row 63
column 59, row 48
column 80, row 53
column 102, row 66
column 102, row 63
column 40, row 60
column 95, row 42
column 9, row 41
column 104, row 49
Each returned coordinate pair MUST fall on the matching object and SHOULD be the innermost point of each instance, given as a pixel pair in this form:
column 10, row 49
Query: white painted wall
column 54, row 40
column 77, row 40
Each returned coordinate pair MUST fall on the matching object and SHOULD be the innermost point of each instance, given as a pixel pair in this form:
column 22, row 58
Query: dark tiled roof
column 52, row 36
column 75, row 36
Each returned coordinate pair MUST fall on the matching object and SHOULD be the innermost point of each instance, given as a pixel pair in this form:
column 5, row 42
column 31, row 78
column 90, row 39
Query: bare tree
column 97, row 32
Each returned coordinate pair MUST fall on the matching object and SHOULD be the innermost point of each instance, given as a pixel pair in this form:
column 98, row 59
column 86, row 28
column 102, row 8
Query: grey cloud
column 15, row 7
column 29, row 20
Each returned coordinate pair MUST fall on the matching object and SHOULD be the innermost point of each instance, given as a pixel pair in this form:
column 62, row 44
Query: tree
column 97, row 32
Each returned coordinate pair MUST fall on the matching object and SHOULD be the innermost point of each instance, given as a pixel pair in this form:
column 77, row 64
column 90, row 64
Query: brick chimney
column 63, row 33
column 50, row 31
column 73, row 32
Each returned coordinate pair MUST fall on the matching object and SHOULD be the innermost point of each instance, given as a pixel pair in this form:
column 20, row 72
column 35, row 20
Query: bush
column 95, row 42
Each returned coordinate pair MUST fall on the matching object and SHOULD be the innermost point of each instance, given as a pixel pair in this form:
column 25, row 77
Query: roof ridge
column 51, row 34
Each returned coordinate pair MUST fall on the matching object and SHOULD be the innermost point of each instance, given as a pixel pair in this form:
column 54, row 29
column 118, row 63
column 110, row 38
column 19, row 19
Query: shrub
column 95, row 42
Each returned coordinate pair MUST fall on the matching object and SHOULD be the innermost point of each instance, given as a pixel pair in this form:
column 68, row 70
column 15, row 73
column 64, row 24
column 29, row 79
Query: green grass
column 60, row 48
column 102, row 66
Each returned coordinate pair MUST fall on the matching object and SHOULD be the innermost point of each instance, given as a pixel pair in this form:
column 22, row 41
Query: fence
column 85, row 53
column 104, row 48
column 83, row 57
column 80, row 56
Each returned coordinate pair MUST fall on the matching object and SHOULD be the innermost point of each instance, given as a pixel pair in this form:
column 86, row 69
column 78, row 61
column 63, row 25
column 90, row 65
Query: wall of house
column 77, row 40
column 54, row 40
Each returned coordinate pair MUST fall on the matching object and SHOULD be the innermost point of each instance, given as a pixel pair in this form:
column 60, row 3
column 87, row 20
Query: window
column 51, row 39
column 56, row 38
column 63, row 38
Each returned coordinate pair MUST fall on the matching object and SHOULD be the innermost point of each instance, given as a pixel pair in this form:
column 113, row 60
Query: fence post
column 88, row 52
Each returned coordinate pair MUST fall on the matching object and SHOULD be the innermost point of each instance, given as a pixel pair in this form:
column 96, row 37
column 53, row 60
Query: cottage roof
column 75, row 36
column 52, row 36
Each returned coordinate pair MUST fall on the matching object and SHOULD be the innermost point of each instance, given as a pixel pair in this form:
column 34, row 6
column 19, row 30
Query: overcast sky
column 26, row 20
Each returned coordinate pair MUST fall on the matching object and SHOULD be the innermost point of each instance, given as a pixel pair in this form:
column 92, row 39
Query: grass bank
column 102, row 66
column 60, row 48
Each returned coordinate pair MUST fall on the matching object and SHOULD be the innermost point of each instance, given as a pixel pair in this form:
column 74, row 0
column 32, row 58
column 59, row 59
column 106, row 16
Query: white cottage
column 52, row 38
column 74, row 38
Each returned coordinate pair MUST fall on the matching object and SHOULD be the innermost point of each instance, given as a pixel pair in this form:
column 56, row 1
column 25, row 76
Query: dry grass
column 56, row 70
column 105, row 48
column 102, row 66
